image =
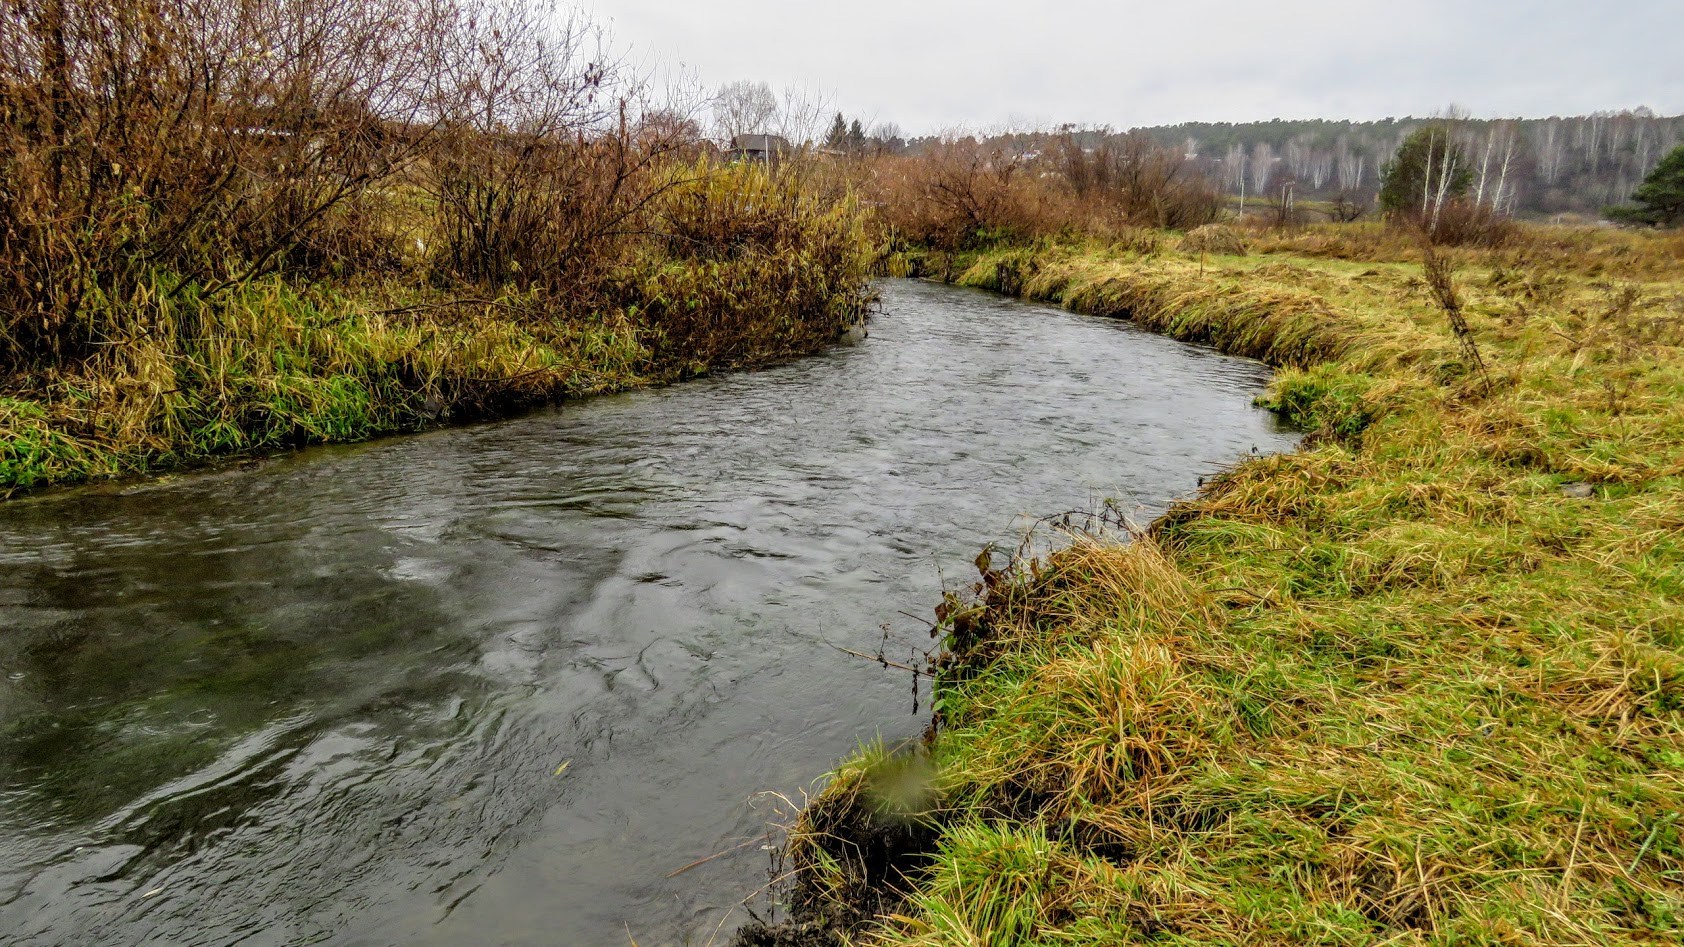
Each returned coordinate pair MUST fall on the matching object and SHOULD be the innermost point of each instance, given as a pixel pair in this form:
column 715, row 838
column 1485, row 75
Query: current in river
column 499, row 684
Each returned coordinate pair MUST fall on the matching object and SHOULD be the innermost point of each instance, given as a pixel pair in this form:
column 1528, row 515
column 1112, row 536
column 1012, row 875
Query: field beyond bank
column 1419, row 682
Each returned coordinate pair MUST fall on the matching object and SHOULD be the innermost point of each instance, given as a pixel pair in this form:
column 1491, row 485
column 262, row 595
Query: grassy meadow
column 1417, row 682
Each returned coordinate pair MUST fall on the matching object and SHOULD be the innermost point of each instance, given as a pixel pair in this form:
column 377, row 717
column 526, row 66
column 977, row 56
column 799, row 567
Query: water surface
column 493, row 684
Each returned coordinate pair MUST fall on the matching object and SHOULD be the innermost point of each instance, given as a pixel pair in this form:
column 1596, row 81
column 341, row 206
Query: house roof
column 766, row 143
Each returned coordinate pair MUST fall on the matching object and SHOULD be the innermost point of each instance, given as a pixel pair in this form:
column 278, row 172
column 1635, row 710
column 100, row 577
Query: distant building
column 763, row 148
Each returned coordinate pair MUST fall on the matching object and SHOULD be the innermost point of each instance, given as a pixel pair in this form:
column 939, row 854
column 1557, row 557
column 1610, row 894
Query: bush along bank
column 757, row 266
column 1419, row 682
column 281, row 225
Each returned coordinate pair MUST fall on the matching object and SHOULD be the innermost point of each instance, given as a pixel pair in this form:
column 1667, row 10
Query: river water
column 493, row 684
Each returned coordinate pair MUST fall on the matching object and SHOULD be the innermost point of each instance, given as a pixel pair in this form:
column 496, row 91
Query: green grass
column 1398, row 687
column 273, row 366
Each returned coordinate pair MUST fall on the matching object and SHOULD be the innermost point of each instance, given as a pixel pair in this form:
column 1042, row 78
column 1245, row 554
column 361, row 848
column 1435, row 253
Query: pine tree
column 837, row 139
column 1660, row 198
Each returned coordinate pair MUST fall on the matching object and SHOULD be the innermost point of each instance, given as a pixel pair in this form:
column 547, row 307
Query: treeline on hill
column 1572, row 165
column 234, row 227
column 962, row 193
column 1549, row 166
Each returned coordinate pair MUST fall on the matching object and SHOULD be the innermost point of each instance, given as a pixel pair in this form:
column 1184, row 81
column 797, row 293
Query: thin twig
column 879, row 659
column 702, row 861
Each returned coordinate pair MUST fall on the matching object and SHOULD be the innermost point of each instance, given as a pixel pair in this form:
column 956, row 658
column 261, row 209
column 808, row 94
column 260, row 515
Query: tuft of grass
column 1419, row 682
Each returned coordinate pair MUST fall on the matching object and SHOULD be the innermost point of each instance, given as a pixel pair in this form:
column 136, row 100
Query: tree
column 744, row 108
column 837, row 138
column 856, row 137
column 1428, row 171
column 886, row 139
column 845, row 136
column 1262, row 166
column 1660, row 198
column 1492, row 189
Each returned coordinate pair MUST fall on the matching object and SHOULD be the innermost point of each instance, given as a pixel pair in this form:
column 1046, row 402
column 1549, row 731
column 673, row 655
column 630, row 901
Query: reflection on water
column 493, row 684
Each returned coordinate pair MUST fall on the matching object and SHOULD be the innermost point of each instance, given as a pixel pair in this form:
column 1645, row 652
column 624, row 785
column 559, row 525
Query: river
column 494, row 684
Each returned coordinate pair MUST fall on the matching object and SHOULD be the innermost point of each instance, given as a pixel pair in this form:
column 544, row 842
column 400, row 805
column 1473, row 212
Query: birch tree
column 1348, row 163
column 1262, row 165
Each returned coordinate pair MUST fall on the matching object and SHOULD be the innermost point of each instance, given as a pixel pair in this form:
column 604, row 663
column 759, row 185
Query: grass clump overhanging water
column 1419, row 682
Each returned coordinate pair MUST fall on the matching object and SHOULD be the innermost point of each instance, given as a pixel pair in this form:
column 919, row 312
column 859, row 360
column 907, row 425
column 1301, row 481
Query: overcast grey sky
column 934, row 64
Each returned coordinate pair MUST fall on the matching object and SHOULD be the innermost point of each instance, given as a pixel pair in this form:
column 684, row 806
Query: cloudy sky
column 929, row 65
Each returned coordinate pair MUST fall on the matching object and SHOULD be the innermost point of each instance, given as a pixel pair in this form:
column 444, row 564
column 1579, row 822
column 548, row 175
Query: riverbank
column 764, row 267
column 1417, row 682
column 644, row 588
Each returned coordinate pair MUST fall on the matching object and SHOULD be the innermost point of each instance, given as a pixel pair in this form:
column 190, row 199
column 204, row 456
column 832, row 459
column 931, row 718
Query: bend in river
column 494, row 684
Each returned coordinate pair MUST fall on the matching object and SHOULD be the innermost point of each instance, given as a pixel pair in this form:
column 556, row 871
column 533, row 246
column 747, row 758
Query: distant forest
column 1529, row 167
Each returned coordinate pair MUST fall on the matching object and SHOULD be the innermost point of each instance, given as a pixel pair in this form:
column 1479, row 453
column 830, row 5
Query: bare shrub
column 207, row 139
column 773, row 264
column 546, row 160
column 1135, row 180
column 1345, row 208
column 1465, row 223
column 958, row 194
column 1439, row 272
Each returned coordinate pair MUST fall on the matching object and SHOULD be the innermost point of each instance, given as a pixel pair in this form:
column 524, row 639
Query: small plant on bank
column 1440, row 276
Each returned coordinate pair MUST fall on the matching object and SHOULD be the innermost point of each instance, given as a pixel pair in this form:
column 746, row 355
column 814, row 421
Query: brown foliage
column 188, row 146
column 960, row 194
column 957, row 194
column 1464, row 223
column 538, row 166
column 1132, row 180
column 754, row 241
column 209, row 139
column 531, row 210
